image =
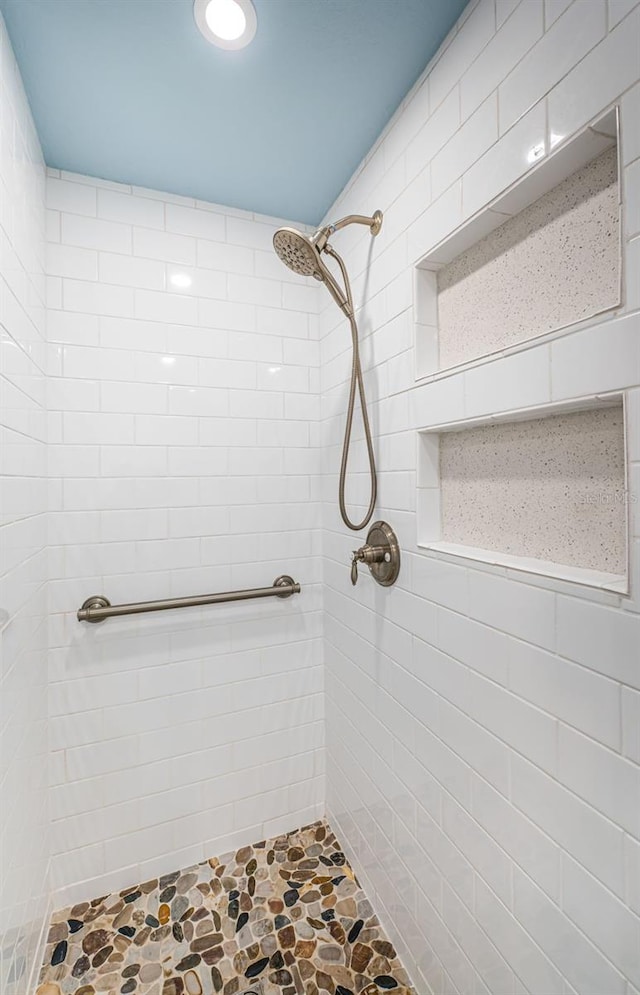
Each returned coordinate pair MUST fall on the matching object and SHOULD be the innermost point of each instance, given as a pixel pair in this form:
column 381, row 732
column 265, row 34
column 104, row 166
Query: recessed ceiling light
column 229, row 24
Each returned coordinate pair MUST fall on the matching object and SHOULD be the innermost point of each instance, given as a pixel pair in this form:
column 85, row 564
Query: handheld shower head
column 303, row 254
column 298, row 252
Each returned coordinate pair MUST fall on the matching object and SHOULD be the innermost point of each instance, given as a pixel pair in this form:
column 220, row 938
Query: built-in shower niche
column 544, row 492
column 541, row 257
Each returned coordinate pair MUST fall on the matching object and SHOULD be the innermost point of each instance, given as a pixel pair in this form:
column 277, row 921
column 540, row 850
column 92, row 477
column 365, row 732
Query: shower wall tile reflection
column 183, row 400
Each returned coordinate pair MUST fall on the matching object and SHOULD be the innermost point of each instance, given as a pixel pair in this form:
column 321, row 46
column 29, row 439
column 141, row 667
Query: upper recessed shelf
column 541, row 257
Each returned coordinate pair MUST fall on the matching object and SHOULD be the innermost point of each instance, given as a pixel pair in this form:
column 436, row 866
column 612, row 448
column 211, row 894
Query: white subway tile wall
column 482, row 743
column 24, row 837
column 482, row 727
column 183, row 405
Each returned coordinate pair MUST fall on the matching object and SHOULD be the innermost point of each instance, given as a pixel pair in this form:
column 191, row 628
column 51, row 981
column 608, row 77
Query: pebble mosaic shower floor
column 282, row 917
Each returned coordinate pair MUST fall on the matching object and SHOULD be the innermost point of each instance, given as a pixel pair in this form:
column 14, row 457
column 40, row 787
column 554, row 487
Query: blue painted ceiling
column 129, row 90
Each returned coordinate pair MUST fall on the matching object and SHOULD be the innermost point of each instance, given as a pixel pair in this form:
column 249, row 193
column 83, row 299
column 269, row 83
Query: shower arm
column 373, row 223
column 321, row 237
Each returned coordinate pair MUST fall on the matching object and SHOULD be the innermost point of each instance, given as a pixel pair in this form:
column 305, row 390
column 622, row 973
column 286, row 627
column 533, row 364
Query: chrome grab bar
column 98, row 608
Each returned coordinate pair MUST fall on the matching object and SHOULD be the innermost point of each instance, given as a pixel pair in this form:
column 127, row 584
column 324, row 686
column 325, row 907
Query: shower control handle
column 369, row 555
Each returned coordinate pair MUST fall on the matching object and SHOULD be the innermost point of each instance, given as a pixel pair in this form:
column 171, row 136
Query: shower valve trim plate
column 381, row 553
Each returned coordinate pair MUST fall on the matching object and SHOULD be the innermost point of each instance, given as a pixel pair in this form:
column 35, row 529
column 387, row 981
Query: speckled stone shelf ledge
column 285, row 915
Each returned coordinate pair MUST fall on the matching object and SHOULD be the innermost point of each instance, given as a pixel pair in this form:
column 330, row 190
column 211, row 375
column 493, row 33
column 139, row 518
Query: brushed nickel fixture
column 303, row 254
column 98, row 608
column 381, row 553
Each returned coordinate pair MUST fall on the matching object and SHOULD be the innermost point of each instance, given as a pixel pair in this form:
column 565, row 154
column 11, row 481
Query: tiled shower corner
column 285, row 916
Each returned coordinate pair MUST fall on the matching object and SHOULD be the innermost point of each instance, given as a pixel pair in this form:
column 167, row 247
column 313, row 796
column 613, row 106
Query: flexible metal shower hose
column 356, row 379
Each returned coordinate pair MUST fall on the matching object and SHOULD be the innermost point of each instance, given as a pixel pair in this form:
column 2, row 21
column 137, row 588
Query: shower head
column 302, row 254
column 298, row 252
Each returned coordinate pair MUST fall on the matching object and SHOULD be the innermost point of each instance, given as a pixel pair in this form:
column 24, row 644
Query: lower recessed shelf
column 543, row 568
column 543, row 492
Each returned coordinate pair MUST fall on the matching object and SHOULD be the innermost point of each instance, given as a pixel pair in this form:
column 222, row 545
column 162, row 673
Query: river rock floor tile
column 285, row 916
